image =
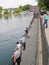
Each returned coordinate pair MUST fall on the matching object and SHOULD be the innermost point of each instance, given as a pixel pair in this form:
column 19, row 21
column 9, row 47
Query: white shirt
column 17, row 53
column 19, row 46
column 23, row 39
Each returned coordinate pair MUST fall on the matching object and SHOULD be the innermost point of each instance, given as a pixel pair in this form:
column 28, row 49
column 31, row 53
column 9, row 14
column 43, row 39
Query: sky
column 16, row 3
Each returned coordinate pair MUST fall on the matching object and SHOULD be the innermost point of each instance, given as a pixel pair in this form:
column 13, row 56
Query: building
column 34, row 8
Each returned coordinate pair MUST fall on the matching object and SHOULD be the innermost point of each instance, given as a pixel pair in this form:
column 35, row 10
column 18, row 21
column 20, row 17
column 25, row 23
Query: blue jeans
column 45, row 23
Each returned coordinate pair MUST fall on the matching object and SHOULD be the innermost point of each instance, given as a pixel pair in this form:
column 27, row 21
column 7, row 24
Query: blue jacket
column 45, row 17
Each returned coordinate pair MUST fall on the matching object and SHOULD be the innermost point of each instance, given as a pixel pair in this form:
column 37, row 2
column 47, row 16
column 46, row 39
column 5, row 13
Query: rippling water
column 11, row 30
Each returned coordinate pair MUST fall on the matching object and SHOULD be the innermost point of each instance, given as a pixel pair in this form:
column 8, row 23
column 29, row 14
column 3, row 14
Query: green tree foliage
column 0, row 15
column 21, row 7
column 26, row 7
column 0, row 9
column 17, row 10
column 6, row 12
column 42, row 4
column 47, row 4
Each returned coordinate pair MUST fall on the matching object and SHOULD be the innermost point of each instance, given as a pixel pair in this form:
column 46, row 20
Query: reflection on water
column 11, row 30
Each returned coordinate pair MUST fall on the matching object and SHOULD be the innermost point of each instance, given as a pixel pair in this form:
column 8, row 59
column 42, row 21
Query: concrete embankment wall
column 42, row 45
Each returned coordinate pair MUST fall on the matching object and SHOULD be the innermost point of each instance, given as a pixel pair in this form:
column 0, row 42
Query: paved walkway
column 29, row 55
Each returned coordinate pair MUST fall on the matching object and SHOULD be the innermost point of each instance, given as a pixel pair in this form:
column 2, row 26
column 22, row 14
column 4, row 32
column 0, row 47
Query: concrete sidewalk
column 29, row 55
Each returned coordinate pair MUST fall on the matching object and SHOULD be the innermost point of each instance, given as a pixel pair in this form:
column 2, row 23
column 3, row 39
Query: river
column 11, row 30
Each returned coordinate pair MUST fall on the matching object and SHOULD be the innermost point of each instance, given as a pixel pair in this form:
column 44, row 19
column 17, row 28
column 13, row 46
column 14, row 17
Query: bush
column 43, row 8
column 0, row 15
column 17, row 10
column 6, row 12
column 26, row 7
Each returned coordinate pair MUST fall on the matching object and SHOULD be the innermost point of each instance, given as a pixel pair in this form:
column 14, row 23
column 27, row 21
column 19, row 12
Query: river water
column 11, row 30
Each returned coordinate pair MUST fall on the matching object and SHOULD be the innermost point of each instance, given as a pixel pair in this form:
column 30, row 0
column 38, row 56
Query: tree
column 21, row 7
column 17, row 10
column 6, row 12
column 42, row 4
column 26, row 7
column 0, row 9
column 0, row 15
column 46, row 3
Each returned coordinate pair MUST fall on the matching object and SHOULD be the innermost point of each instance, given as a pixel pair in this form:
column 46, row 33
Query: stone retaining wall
column 42, row 46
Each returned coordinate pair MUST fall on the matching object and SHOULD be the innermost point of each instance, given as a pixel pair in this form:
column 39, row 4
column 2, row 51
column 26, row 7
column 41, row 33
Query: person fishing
column 23, row 42
column 16, row 57
column 26, row 32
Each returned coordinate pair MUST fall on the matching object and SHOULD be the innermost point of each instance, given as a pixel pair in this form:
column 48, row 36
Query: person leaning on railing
column 45, row 19
column 16, row 57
